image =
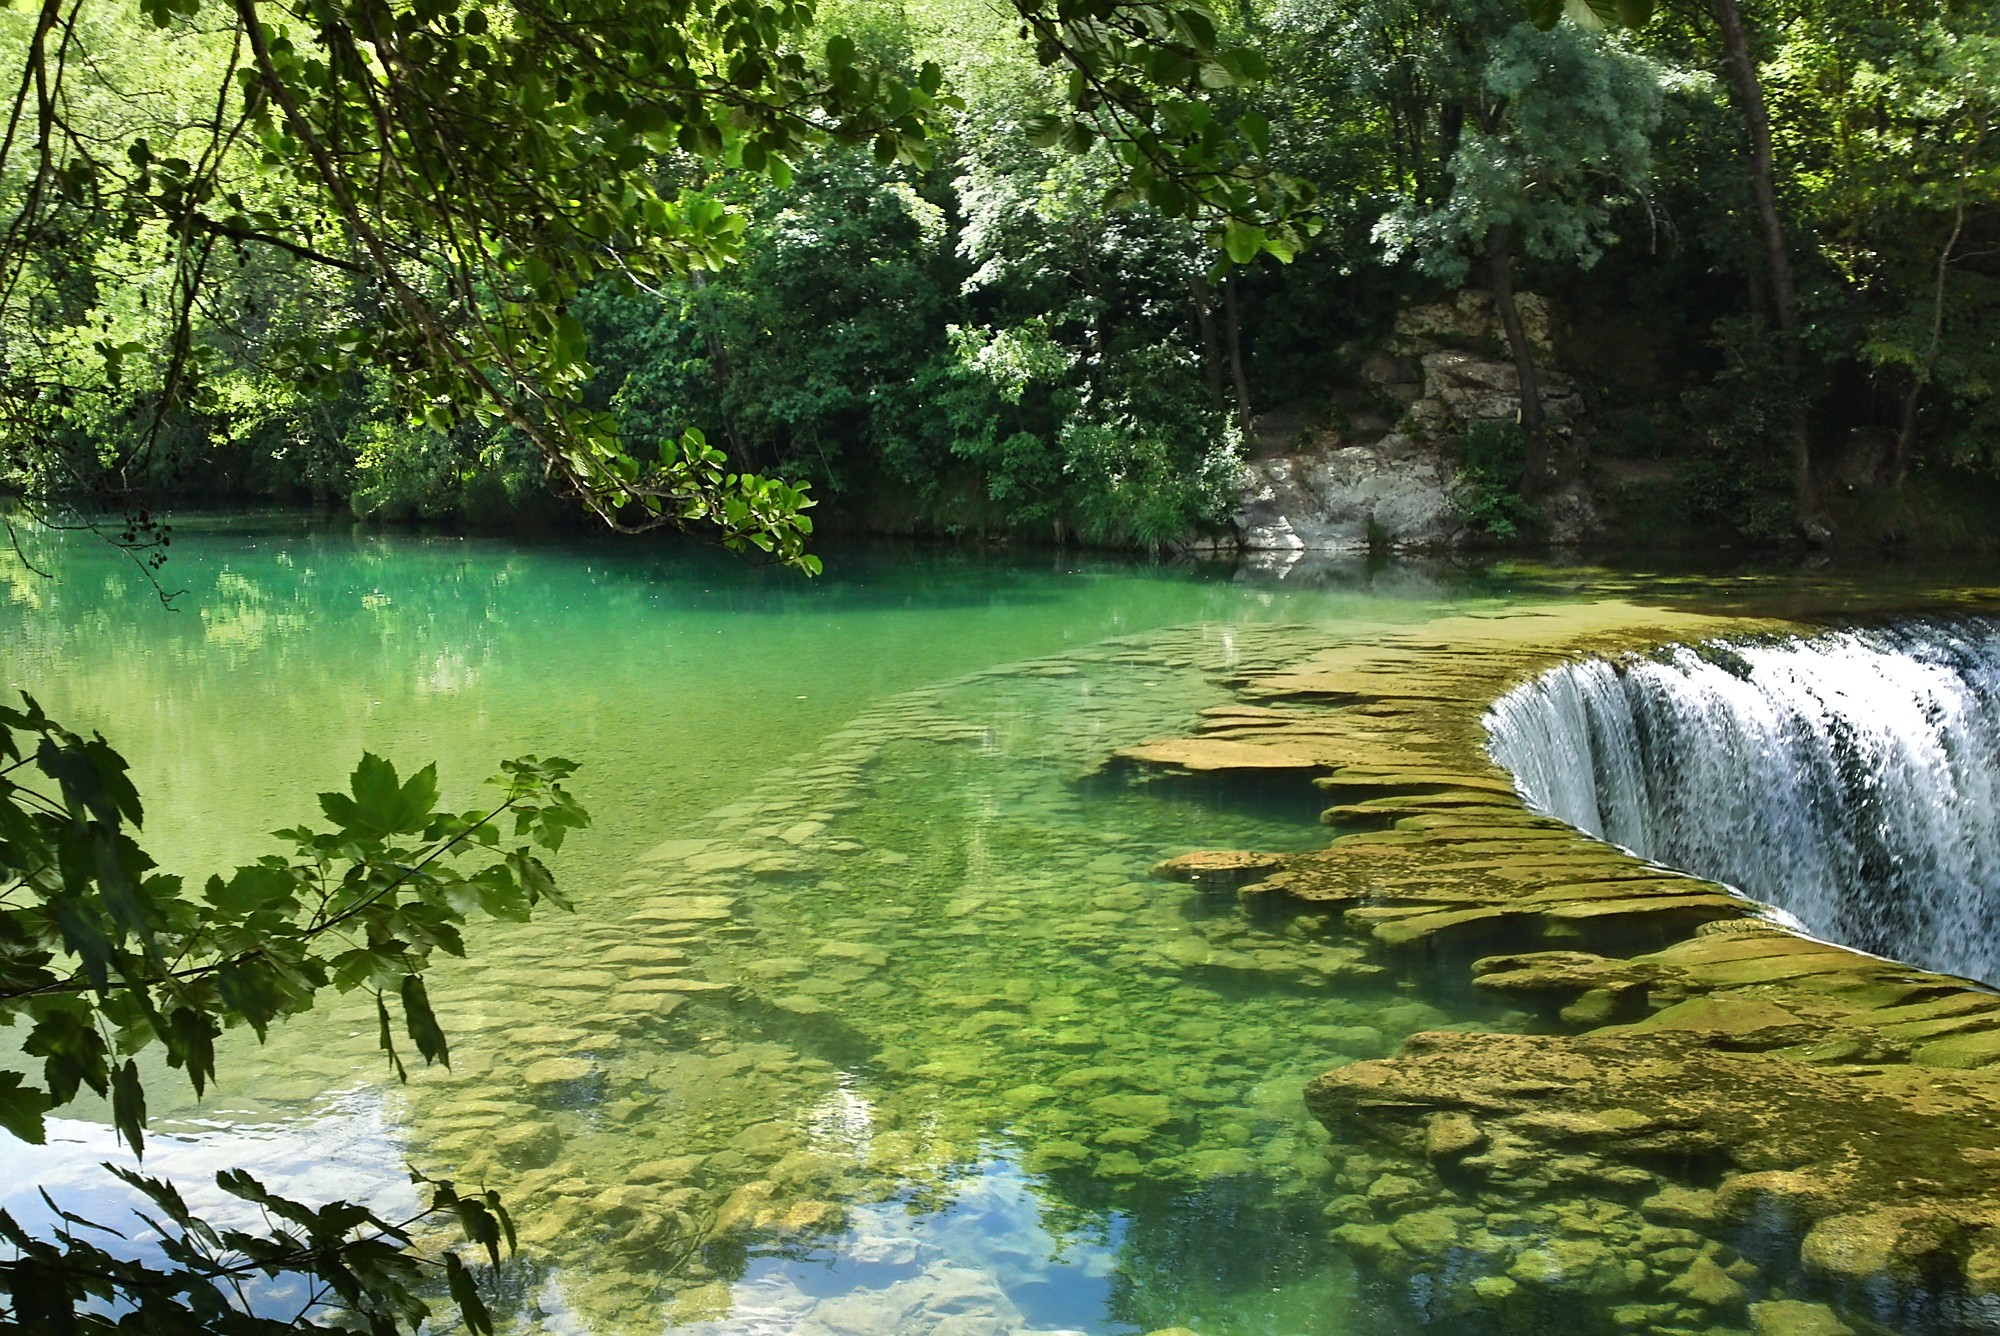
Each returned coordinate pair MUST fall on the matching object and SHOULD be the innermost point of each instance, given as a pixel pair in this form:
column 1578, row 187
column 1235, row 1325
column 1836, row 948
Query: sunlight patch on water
column 983, row 1263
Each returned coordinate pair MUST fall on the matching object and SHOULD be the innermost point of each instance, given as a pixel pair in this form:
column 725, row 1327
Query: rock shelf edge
column 1727, row 1128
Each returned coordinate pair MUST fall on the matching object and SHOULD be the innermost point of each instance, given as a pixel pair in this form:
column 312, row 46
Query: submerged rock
column 1886, row 1242
column 1217, row 867
column 1793, row 1317
column 557, row 1071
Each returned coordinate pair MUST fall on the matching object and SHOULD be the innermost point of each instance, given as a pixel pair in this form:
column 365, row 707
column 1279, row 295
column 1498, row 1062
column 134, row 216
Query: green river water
column 869, row 1018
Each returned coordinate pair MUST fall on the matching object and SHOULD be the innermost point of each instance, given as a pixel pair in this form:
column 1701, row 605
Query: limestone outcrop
column 1353, row 489
column 1348, row 499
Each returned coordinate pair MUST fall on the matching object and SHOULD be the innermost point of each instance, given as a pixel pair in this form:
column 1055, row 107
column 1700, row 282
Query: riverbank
column 1722, row 1125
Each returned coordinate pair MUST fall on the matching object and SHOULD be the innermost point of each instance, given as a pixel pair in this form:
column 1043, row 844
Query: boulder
column 1908, row 1243
column 1347, row 500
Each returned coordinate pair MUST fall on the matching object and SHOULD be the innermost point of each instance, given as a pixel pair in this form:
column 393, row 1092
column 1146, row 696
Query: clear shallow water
column 870, row 1019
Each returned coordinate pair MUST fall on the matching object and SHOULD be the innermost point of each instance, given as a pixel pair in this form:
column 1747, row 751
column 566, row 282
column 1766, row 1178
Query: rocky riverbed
column 1722, row 1127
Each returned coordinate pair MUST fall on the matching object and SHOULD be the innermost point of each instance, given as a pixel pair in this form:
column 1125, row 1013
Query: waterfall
column 1852, row 780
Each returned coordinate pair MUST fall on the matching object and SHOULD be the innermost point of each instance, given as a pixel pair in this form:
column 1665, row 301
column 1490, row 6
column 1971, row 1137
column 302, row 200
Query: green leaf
column 252, row 889
column 83, row 935
column 1077, row 137
column 385, row 1037
column 1256, row 130
column 1043, row 131
column 380, row 805
column 128, row 1105
column 1241, row 242
column 422, row 1022
column 190, row 1040
column 22, row 1107
column 466, row 1295
column 500, row 1213
column 71, row 1050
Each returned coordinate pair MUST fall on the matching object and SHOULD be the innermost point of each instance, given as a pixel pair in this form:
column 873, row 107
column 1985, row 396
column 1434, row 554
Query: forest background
column 988, row 340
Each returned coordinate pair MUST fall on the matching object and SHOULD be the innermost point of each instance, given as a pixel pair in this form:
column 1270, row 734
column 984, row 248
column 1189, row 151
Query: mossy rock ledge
column 1729, row 1128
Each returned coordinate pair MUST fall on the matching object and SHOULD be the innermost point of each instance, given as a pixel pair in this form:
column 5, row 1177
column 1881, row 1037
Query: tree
column 468, row 170
column 1542, row 134
column 103, row 958
column 1880, row 151
column 1898, row 201
column 1747, row 91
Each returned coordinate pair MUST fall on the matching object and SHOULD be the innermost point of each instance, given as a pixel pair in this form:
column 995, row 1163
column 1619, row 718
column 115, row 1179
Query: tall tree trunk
column 1906, row 420
column 1451, row 129
column 1749, row 92
column 1534, row 426
column 1204, row 316
column 1234, row 330
column 718, row 357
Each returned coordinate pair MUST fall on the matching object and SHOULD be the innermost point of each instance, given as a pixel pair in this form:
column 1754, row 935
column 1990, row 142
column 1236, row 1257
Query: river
column 870, row 1017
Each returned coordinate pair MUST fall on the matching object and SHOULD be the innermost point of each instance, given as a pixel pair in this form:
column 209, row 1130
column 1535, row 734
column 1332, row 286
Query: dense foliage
column 243, row 213
column 980, row 284
column 956, row 281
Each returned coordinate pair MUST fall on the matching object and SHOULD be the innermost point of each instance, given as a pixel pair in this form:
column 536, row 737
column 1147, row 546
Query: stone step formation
column 1725, row 1127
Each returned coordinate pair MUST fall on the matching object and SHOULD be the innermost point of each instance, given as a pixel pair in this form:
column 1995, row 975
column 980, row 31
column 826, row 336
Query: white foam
column 1851, row 780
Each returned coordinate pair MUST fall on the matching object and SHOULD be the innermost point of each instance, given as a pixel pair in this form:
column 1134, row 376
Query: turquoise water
column 870, row 1018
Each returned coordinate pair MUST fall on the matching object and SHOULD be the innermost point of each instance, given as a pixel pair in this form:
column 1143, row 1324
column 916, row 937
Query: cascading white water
column 1850, row 779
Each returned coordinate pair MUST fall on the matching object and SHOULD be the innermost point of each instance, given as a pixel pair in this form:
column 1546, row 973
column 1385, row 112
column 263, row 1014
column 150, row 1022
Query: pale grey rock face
column 1324, row 501
column 1471, row 388
column 1469, row 320
column 1447, row 368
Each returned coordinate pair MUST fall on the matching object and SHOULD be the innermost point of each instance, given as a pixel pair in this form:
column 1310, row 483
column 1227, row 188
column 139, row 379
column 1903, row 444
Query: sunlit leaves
column 466, row 172
column 357, row 906
column 472, row 170
column 1142, row 75
column 379, row 805
column 1567, row 138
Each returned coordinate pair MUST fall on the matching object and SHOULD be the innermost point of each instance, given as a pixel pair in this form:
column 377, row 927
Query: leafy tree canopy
column 464, row 170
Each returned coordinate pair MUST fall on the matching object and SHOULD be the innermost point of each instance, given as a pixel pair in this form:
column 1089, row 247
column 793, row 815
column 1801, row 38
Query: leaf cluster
column 465, row 170
column 103, row 957
column 353, row 1266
